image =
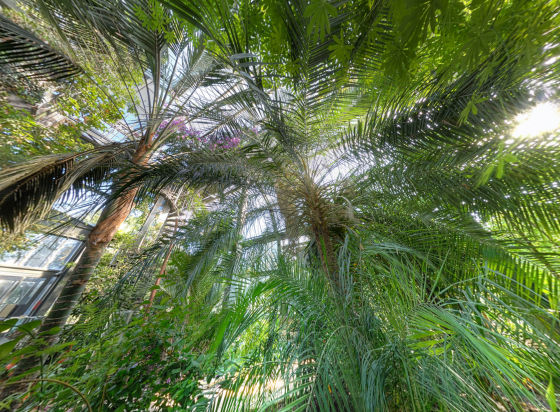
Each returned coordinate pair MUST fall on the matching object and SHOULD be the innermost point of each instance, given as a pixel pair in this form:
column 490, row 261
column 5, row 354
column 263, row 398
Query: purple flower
column 179, row 128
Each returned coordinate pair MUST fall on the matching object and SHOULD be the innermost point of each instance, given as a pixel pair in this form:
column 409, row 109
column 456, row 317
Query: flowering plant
column 179, row 128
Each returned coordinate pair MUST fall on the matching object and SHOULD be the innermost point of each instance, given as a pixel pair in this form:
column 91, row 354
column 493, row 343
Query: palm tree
column 159, row 63
column 443, row 285
column 431, row 195
column 432, row 230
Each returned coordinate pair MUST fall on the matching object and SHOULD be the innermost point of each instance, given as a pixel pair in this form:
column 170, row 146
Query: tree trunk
column 160, row 203
column 276, row 231
column 111, row 218
column 98, row 240
column 292, row 223
column 163, row 265
column 319, row 222
column 325, row 249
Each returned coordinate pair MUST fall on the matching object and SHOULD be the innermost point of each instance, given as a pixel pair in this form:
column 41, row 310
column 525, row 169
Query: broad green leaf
column 340, row 51
column 500, row 169
column 7, row 347
column 29, row 326
column 52, row 331
column 7, row 324
column 318, row 12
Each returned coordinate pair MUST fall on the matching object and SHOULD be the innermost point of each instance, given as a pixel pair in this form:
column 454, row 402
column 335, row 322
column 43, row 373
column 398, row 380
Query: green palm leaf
column 24, row 54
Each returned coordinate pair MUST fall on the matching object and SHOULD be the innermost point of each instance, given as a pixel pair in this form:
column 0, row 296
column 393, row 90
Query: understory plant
column 118, row 360
column 391, row 333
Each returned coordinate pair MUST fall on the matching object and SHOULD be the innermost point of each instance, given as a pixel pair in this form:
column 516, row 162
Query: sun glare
column 543, row 118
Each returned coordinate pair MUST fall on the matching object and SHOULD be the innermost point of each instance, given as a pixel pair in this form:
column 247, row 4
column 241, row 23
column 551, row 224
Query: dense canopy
column 292, row 204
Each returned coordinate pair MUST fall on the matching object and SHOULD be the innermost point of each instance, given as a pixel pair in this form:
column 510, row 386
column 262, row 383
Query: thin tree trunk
column 154, row 211
column 277, row 233
column 164, row 265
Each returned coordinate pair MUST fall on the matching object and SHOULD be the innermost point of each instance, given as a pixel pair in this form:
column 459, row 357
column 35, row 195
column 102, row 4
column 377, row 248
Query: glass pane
column 5, row 286
column 47, row 252
column 63, row 254
column 24, row 291
column 39, row 299
column 17, row 256
column 39, row 255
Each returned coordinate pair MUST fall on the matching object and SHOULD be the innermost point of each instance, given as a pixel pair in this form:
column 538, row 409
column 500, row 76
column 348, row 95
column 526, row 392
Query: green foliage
column 423, row 277
column 498, row 165
column 120, row 360
column 389, row 342
column 156, row 18
column 78, row 106
column 22, row 136
column 89, row 106
column 340, row 50
column 56, row 125
column 319, row 13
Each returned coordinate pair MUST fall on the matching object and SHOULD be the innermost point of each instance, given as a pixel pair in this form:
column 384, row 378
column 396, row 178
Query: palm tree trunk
column 160, row 203
column 286, row 209
column 163, row 265
column 324, row 242
column 111, row 219
column 325, row 249
column 98, row 240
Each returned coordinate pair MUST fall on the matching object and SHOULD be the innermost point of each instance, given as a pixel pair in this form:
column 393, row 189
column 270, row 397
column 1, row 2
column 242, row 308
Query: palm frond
column 28, row 190
column 24, row 54
column 346, row 355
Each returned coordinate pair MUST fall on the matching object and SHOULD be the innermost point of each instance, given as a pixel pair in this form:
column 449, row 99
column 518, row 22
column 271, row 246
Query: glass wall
column 28, row 275
column 48, row 252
